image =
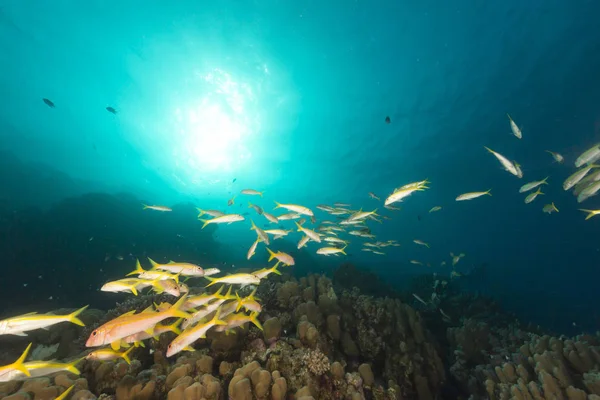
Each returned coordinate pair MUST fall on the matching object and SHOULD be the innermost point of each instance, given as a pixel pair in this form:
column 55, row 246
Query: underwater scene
column 277, row 200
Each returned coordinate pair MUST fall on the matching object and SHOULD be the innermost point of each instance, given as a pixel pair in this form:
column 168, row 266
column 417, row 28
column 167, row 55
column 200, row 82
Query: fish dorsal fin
column 25, row 315
column 171, row 262
column 116, row 345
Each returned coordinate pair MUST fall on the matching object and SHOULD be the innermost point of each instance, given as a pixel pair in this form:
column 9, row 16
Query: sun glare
column 214, row 130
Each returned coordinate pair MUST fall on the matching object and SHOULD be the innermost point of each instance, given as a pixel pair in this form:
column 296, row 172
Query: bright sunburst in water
column 213, row 131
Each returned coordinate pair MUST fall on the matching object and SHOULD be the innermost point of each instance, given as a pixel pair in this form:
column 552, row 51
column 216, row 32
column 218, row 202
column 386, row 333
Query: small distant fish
column 416, row 296
column 506, row 163
column 212, row 213
column 111, row 110
column 387, row 120
column 514, row 128
column 473, row 195
column 373, row 196
column 434, row 209
column 303, row 242
column 258, row 209
column 532, row 185
column 550, row 208
column 252, row 192
column 557, row 157
column 416, row 262
column 157, row 208
column 49, row 103
column 234, row 179
column 252, row 249
column 231, row 201
column 531, row 197
column 420, row 242
column 589, row 156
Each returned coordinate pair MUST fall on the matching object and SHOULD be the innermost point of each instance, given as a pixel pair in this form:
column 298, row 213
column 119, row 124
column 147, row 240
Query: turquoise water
column 292, row 99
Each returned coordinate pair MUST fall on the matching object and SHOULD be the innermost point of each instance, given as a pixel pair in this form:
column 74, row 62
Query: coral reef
column 321, row 343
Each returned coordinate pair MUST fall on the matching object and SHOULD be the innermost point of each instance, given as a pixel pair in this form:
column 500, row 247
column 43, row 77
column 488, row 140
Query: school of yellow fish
column 224, row 310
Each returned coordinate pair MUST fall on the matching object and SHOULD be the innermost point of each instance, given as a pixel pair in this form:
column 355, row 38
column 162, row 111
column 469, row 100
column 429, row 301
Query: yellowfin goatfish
column 532, row 185
column 252, row 192
column 295, row 208
column 506, row 163
column 373, row 196
column 472, row 195
column 7, row 370
column 235, row 279
column 285, row 258
column 589, row 156
column 44, row 368
column 31, row 321
column 236, row 320
column 252, row 249
column 514, row 128
column 224, row 219
column 109, row 354
column 157, row 208
column 420, row 242
column 303, row 242
column 434, row 209
column 577, row 176
column 310, row 233
column 557, row 157
column 550, row 208
column 212, row 213
column 258, row 209
column 193, row 333
column 152, row 274
column 115, row 330
column 326, row 251
column 270, row 217
column 180, row 268
column 128, row 285
column 249, row 303
column 406, row 191
column 261, row 234
column 531, row 197
column 262, row 273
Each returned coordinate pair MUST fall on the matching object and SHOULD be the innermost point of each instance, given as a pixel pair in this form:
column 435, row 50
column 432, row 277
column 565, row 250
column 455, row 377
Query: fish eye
column 94, row 333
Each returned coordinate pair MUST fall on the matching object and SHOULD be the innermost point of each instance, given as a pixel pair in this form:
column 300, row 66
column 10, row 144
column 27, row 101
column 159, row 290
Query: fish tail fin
column 277, row 205
column 271, row 253
column 261, row 193
column 240, row 302
column 138, row 269
column 206, row 222
column 275, row 270
column 488, row 192
column 200, row 212
column 174, row 327
column 508, row 115
column 125, row 355
column 72, row 366
column 554, row 207
column 73, row 316
column 215, row 320
column 175, row 310
column 591, row 213
column 299, row 227
column 145, row 206
column 226, row 296
column 19, row 364
column 342, row 250
column 250, row 205
column 253, row 227
column 212, row 281
column 153, row 263
column 255, row 321
column 545, row 180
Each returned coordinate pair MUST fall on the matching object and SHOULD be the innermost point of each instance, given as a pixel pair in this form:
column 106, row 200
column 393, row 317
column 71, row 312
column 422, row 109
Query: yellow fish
column 18, row 365
column 31, row 321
